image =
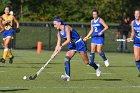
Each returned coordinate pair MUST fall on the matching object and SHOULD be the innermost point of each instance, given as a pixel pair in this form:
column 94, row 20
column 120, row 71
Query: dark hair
column 8, row 7
column 94, row 10
column 137, row 9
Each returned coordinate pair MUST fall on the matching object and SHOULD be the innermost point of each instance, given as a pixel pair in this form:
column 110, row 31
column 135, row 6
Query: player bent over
column 75, row 44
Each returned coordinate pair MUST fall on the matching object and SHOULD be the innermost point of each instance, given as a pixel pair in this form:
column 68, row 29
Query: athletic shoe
column 65, row 77
column 98, row 71
column 11, row 60
column 2, row 60
column 106, row 63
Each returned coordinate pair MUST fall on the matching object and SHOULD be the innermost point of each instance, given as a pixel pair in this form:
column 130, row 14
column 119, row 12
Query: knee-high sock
column 138, row 64
column 10, row 53
column 93, row 65
column 5, row 53
column 67, row 68
column 92, row 55
column 102, row 54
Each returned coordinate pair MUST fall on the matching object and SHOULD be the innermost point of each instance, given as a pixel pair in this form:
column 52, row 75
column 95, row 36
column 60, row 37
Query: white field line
column 87, row 73
column 68, row 87
column 54, row 72
column 101, row 73
column 2, row 71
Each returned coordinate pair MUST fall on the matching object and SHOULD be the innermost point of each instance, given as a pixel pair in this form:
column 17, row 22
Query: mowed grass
column 120, row 77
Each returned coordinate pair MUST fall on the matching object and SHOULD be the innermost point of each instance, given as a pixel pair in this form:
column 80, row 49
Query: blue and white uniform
column 97, row 27
column 137, row 34
column 76, row 43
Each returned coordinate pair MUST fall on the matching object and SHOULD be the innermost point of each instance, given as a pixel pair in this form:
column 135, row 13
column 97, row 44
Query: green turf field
column 120, row 77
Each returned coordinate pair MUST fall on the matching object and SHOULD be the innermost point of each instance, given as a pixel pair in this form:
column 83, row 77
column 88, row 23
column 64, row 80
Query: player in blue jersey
column 135, row 34
column 98, row 26
column 75, row 44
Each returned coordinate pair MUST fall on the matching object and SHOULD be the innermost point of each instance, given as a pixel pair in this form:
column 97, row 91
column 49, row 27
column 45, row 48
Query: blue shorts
column 137, row 45
column 7, row 33
column 78, row 46
column 97, row 40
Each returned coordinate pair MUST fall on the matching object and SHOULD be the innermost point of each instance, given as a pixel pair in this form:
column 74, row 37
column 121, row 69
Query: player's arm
column 58, row 45
column 132, row 32
column 1, row 26
column 68, row 29
column 90, row 32
column 104, row 24
column 15, row 20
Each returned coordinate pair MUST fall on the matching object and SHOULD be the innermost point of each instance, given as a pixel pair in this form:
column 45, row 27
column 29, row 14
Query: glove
column 17, row 30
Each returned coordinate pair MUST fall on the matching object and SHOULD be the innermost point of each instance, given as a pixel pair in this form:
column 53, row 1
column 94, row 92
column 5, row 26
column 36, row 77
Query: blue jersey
column 73, row 35
column 97, row 27
column 137, row 32
column 76, row 43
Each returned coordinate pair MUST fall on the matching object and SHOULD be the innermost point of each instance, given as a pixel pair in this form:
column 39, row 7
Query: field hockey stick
column 43, row 67
column 119, row 40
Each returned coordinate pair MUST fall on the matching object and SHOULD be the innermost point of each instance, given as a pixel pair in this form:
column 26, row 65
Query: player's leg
column 102, row 54
column 85, row 59
column 137, row 57
column 67, row 58
column 92, row 53
column 11, row 57
column 6, row 43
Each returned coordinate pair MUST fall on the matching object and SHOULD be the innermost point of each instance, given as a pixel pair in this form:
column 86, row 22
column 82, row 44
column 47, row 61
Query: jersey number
column 138, row 33
column 95, row 29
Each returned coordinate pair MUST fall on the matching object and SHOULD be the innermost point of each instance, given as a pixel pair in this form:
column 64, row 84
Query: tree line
column 70, row 10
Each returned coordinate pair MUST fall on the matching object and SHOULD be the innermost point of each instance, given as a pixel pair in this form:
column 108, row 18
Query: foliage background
column 70, row 10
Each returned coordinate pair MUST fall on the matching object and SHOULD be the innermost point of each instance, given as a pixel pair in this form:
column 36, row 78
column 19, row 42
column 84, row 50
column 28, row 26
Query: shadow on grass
column 97, row 79
column 12, row 90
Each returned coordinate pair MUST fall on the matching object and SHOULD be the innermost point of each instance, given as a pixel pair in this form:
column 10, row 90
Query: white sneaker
column 106, row 63
column 65, row 77
column 98, row 71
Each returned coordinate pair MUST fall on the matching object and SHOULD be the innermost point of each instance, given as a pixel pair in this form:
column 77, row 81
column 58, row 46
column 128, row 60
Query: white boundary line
column 101, row 73
column 2, row 71
column 69, row 87
column 87, row 73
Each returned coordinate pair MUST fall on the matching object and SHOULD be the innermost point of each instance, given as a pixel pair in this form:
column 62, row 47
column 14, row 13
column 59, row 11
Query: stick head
column 32, row 78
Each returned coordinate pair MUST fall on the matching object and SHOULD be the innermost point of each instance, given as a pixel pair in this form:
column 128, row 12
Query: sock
column 5, row 53
column 92, row 55
column 93, row 65
column 67, row 68
column 138, row 64
column 103, row 56
column 10, row 53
